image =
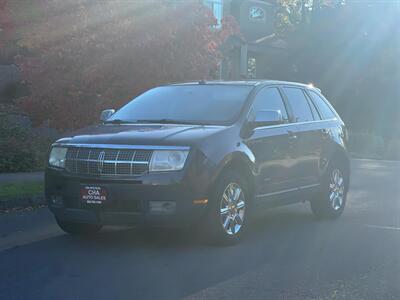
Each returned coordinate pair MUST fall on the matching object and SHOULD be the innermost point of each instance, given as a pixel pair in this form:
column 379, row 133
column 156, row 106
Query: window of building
column 256, row 14
column 299, row 104
column 270, row 99
column 323, row 108
column 216, row 8
column 251, row 67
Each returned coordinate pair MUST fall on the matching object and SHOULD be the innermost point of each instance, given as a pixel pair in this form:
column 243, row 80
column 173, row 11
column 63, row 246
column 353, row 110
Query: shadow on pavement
column 145, row 264
column 278, row 221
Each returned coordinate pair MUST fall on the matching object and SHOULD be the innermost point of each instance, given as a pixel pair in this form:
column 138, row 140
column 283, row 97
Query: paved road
column 286, row 255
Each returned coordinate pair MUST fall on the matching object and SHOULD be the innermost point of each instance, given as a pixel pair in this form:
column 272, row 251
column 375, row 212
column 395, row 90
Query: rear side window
column 314, row 111
column 323, row 108
column 270, row 99
column 299, row 104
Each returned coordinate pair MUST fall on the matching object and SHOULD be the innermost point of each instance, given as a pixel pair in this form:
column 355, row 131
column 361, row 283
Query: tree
column 5, row 24
column 90, row 55
column 350, row 50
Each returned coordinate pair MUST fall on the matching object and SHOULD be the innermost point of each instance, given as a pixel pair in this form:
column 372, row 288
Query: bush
column 72, row 77
column 366, row 143
column 374, row 146
column 20, row 148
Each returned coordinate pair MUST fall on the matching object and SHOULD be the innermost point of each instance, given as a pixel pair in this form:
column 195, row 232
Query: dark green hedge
column 374, row 146
column 20, row 148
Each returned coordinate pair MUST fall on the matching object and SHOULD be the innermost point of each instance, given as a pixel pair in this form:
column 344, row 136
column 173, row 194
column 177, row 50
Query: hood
column 142, row 134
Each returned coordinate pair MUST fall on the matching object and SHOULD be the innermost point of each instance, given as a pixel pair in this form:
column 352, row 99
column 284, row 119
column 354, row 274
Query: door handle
column 292, row 137
column 325, row 133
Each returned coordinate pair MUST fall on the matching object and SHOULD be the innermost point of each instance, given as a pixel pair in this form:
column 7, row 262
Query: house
column 258, row 52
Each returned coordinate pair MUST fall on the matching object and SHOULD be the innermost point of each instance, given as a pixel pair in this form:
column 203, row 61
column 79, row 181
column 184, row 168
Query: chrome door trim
column 304, row 187
column 309, row 186
column 293, row 124
column 277, row 193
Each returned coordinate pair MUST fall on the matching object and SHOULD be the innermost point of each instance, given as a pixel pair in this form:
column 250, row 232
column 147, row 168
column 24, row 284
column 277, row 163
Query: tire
column 331, row 200
column 78, row 228
column 227, row 213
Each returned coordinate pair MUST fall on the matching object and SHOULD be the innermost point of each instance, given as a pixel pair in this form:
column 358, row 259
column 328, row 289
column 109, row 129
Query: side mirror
column 105, row 114
column 266, row 118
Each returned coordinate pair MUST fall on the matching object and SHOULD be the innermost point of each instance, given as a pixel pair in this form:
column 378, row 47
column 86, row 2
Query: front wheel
column 331, row 200
column 78, row 228
column 227, row 213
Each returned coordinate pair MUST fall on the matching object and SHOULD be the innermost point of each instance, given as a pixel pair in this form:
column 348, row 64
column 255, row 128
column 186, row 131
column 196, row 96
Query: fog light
column 200, row 201
column 56, row 200
column 162, row 207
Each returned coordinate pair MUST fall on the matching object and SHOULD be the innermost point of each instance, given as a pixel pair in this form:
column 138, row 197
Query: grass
column 10, row 190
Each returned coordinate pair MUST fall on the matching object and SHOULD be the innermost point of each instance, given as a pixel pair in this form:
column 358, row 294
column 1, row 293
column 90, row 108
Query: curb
column 22, row 202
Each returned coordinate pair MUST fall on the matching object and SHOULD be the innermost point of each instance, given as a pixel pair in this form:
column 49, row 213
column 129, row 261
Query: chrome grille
column 107, row 162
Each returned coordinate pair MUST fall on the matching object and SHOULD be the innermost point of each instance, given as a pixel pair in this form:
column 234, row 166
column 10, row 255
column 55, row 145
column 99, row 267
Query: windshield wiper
column 155, row 121
column 170, row 121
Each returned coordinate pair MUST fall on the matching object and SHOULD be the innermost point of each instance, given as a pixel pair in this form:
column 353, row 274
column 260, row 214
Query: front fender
column 242, row 159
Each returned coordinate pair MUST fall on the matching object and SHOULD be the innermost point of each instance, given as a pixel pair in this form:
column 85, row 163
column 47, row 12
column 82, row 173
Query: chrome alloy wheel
column 336, row 189
column 232, row 209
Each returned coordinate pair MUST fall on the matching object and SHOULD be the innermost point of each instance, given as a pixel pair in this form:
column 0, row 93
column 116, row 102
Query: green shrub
column 20, row 148
column 366, row 143
column 374, row 146
column 20, row 189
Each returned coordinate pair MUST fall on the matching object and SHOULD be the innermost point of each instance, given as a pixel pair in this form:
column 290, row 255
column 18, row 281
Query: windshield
column 190, row 104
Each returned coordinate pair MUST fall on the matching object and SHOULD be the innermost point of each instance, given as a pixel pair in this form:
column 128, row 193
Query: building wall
column 255, row 17
column 244, row 57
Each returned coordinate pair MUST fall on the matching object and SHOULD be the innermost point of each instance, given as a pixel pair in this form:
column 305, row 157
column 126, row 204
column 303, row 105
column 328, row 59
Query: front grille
column 107, row 162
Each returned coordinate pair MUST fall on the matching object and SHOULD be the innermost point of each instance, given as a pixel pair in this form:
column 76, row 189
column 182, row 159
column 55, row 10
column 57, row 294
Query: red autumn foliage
column 91, row 55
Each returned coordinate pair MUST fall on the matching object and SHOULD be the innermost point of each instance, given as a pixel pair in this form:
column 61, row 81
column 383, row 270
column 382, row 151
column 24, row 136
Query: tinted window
column 204, row 104
column 298, row 102
column 270, row 99
column 323, row 108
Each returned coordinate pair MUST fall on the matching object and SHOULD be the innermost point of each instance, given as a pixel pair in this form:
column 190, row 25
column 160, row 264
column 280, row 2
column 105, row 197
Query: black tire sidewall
column 321, row 205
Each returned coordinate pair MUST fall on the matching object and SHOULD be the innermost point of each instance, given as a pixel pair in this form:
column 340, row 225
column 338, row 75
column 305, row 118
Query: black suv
column 205, row 153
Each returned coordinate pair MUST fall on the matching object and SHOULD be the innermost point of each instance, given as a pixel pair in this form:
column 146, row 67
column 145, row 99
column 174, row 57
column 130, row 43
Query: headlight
column 57, row 157
column 165, row 160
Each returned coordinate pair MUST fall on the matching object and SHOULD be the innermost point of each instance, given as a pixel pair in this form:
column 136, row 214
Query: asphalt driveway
column 286, row 255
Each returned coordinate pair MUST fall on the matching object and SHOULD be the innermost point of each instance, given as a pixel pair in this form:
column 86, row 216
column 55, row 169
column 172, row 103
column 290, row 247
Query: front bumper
column 128, row 201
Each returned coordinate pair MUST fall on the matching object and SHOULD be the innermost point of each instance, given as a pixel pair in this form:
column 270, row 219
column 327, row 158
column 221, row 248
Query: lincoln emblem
column 100, row 161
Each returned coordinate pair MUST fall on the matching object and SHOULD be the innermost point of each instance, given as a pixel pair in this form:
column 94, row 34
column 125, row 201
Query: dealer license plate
column 92, row 194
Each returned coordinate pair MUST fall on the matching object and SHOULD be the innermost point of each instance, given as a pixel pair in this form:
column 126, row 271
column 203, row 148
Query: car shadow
column 267, row 222
column 152, row 264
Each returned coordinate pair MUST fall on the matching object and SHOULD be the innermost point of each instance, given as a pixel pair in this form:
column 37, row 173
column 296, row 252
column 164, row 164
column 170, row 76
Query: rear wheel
column 331, row 200
column 227, row 213
column 78, row 228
